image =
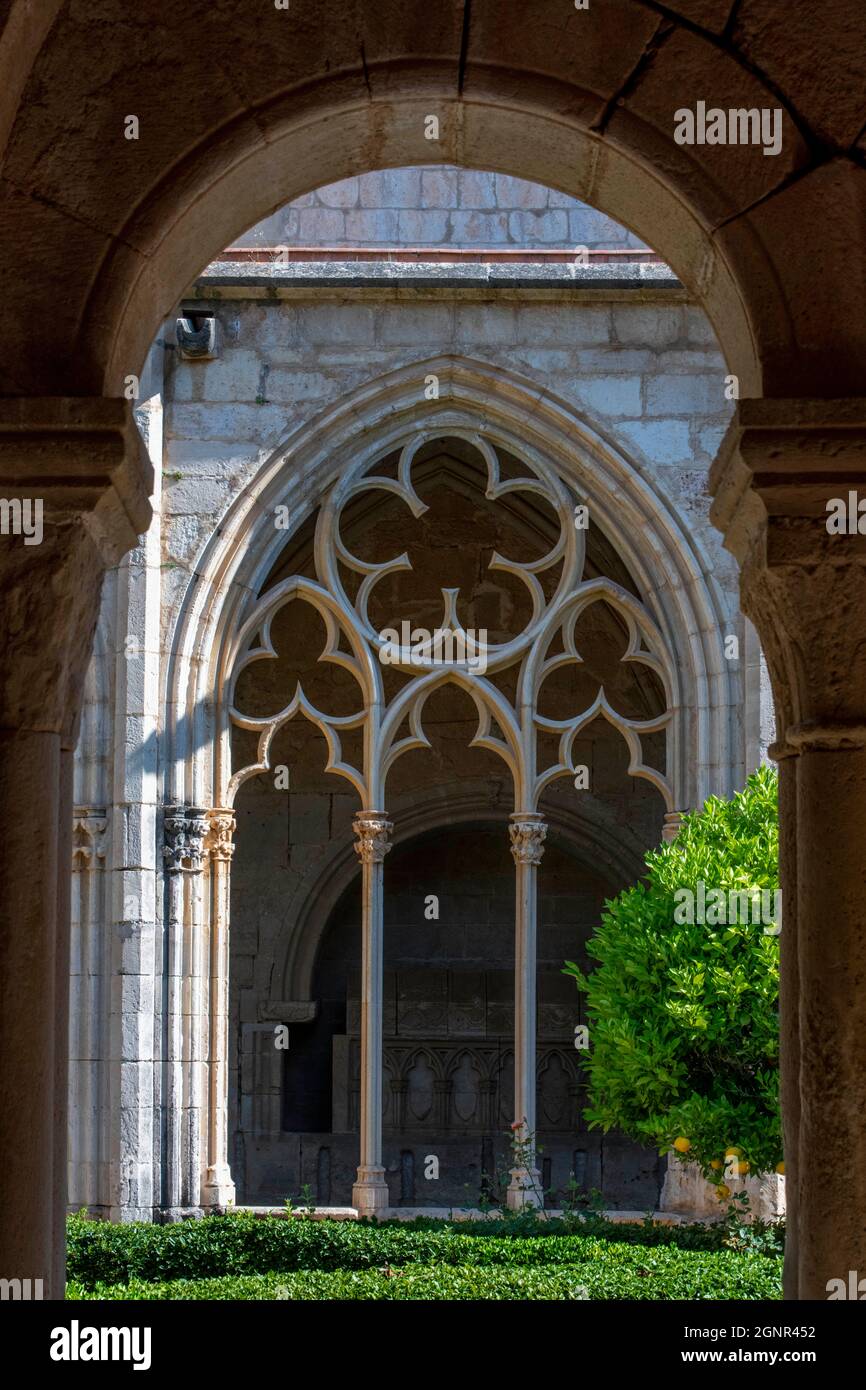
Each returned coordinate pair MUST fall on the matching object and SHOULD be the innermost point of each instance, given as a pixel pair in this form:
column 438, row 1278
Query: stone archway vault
column 102, row 234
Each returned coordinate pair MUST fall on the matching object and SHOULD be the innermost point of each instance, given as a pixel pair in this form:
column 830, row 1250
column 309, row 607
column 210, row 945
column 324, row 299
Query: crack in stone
column 656, row 41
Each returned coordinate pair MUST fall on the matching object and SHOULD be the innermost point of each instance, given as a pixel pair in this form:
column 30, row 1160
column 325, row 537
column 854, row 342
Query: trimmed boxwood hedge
column 608, row 1271
column 243, row 1257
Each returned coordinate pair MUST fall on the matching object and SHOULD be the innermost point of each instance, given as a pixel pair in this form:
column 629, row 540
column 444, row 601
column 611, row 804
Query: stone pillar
column 133, row 923
column 74, row 481
column 528, row 831
column 671, row 827
column 219, row 1187
column 782, row 470
column 370, row 1191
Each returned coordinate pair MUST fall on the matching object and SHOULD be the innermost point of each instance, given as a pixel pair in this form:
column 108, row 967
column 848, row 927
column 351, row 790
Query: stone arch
column 318, row 892
column 668, row 564
column 586, row 110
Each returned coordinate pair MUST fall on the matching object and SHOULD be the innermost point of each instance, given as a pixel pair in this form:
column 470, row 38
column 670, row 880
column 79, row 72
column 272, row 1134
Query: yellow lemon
column 780, row 1168
column 716, row 1164
column 682, row 1145
column 723, row 1191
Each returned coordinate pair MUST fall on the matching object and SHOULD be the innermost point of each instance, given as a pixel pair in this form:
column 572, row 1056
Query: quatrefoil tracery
column 381, row 720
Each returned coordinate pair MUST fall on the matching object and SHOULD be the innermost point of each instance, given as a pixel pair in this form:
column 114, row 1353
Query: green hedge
column 243, row 1257
column 607, row 1271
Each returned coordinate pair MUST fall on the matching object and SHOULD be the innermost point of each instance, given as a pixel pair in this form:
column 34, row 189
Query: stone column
column 782, row 470
column 370, row 1192
column 88, row 1009
column 185, row 829
column 528, row 830
column 75, row 481
column 219, row 1187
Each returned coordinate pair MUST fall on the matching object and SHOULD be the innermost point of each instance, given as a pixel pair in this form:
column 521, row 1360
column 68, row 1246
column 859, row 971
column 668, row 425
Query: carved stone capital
column 528, row 831
column 373, row 830
column 89, row 824
column 184, row 830
column 782, row 469
column 221, row 830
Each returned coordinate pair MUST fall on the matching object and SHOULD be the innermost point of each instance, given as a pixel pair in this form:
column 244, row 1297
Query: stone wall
column 438, row 206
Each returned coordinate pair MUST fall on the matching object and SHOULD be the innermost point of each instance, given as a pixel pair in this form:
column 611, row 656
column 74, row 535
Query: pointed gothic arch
column 675, row 627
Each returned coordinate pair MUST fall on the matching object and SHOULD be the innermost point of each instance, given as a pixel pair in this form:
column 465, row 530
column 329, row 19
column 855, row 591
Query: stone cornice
column 83, row 456
column 781, row 461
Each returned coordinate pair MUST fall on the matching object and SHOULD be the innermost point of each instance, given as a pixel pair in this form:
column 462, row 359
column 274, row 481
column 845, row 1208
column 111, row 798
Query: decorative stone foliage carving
column 221, row 829
column 527, row 840
column 184, row 829
column 374, row 837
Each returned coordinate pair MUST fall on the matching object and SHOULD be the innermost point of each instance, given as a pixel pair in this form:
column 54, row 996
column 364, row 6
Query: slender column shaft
column 527, row 831
column 789, row 1016
column 219, row 1187
column 831, row 889
column 370, row 1192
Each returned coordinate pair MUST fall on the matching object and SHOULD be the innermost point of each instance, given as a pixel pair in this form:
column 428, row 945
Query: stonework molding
column 527, row 834
column 374, row 836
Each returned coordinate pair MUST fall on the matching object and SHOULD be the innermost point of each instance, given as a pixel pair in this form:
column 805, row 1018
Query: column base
column 525, row 1189
column 219, row 1190
column 370, row 1195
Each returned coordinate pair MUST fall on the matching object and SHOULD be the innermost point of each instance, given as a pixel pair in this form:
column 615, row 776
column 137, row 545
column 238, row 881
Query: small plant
column 306, row 1203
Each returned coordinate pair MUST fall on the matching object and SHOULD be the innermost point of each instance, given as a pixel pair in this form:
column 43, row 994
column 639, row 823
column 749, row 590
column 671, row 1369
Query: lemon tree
column 682, row 1007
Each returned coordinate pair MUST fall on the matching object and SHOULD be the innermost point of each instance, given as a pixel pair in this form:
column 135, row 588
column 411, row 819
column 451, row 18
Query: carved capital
column 528, row 832
column 221, row 830
column 783, row 468
column 89, row 824
column 184, row 829
column 196, row 830
column 373, row 830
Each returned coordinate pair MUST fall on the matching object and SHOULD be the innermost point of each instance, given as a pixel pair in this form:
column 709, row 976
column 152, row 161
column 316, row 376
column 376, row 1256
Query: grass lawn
column 240, row 1256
